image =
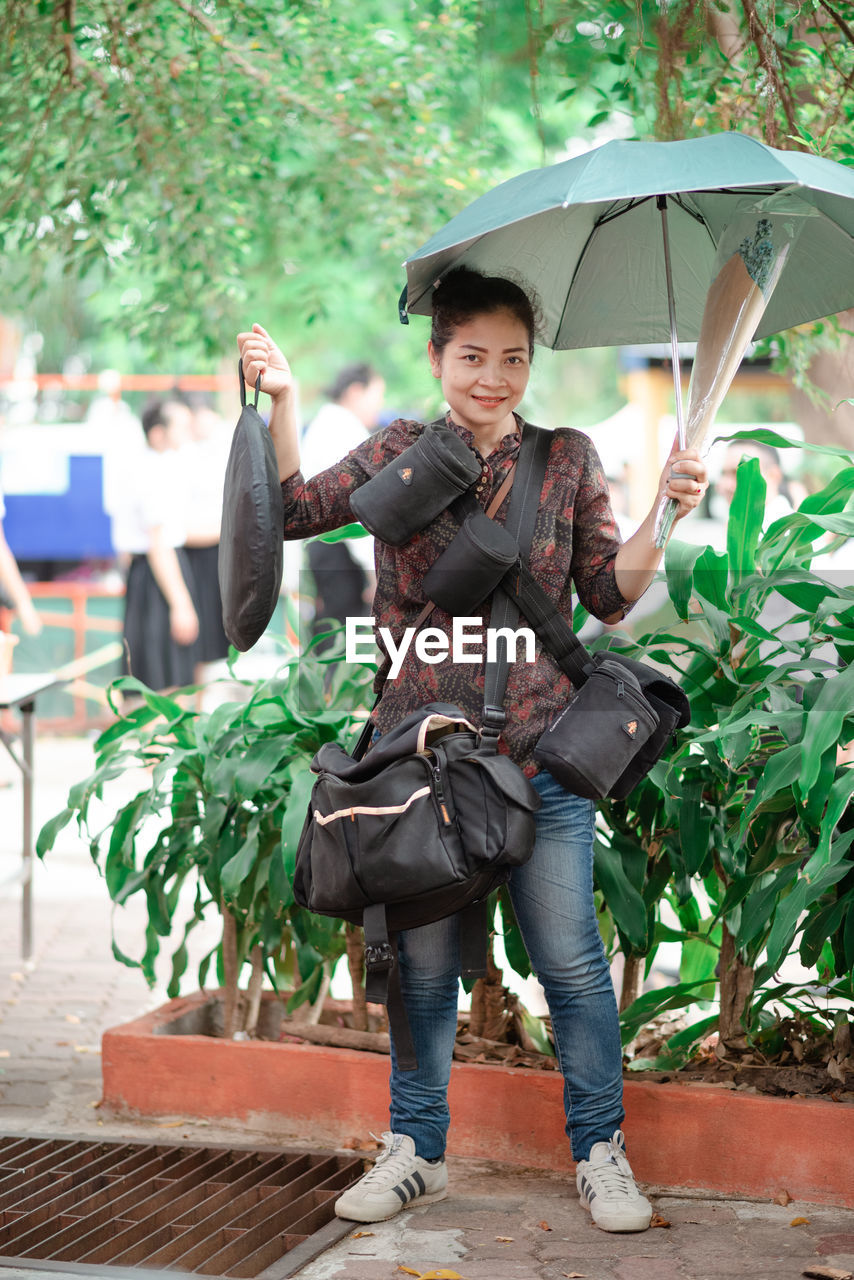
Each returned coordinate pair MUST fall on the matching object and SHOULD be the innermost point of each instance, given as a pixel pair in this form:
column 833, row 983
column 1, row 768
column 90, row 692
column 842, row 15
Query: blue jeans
column 552, row 896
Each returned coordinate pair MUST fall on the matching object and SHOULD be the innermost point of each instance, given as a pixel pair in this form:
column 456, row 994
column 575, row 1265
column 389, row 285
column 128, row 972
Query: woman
column 481, row 347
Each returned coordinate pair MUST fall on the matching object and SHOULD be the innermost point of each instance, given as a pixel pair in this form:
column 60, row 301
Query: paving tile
column 25, row 1094
column 572, row 1264
column 645, row 1268
column 695, row 1213
column 840, row 1243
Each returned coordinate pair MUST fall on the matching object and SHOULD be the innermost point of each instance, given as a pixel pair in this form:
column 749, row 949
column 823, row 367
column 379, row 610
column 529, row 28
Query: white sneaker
column 398, row 1180
column 607, row 1188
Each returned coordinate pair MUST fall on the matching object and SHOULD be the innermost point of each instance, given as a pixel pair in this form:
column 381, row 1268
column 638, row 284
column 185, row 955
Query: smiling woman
column 481, row 347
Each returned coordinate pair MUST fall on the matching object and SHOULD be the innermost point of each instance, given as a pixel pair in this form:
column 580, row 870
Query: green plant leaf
column 514, row 947
column 679, row 561
column 624, row 902
column 825, row 719
column 344, row 532
column 241, row 864
column 711, row 574
column 51, row 829
column 648, row 1006
column 765, row 435
column 293, row 819
column 746, row 515
column 695, row 823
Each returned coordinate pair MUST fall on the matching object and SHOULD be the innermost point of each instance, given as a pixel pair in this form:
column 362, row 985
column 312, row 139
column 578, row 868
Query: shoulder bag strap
column 521, row 518
column 520, row 585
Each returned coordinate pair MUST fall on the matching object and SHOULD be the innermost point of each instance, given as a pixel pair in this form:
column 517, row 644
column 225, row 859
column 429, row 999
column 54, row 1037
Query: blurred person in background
column 779, row 498
column 202, row 461
column 343, row 572
column 161, row 626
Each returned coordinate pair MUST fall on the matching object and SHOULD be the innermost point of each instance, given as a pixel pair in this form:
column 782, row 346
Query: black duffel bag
column 428, row 821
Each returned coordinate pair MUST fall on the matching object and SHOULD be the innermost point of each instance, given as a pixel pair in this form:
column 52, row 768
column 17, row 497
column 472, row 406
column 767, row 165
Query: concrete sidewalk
column 497, row 1223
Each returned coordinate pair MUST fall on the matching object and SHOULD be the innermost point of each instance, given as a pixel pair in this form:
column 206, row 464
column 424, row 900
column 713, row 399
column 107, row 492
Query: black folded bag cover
column 471, row 566
column 252, row 534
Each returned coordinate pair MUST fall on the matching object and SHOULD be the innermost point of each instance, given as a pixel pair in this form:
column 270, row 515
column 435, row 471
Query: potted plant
column 222, row 813
column 745, row 831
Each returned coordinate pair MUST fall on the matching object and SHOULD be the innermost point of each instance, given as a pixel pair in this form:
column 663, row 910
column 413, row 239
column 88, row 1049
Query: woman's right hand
column 261, row 356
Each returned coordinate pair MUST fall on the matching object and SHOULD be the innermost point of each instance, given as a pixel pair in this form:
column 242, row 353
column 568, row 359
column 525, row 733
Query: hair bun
column 463, row 293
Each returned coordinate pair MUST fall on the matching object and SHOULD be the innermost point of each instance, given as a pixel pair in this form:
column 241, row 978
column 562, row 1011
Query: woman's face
column 484, row 371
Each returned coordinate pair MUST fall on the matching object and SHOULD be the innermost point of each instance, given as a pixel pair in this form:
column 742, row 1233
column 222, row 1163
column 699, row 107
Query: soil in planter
column 805, row 1080
column 740, row 1068
column 795, row 1060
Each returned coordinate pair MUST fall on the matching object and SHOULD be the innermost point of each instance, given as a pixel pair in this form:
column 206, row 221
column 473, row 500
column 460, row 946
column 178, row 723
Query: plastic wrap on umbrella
column 751, row 255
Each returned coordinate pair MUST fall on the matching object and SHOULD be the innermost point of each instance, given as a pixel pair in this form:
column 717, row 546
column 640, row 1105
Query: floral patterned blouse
column 575, row 541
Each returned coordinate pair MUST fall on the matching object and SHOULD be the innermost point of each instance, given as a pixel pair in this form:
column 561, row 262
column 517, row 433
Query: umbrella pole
column 661, row 202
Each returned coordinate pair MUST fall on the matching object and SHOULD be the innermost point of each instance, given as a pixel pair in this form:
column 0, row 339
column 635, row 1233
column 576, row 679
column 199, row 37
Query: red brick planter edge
column 679, row 1135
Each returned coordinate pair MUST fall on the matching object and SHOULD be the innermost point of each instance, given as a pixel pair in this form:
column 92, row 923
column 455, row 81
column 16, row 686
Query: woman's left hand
column 685, row 479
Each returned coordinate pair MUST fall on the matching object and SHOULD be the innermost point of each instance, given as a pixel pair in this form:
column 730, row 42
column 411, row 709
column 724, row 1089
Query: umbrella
column 633, row 241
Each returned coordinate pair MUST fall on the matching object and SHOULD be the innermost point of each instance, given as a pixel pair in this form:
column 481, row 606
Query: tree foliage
column 780, row 69
column 183, row 144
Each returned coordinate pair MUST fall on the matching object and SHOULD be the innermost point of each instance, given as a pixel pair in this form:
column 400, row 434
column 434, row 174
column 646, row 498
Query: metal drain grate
column 213, row 1211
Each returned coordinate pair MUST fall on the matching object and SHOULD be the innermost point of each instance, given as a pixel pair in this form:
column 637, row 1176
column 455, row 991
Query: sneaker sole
column 366, row 1216
column 616, row 1225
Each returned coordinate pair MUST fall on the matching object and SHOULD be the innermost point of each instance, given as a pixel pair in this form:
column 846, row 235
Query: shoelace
column 380, row 1170
column 615, row 1175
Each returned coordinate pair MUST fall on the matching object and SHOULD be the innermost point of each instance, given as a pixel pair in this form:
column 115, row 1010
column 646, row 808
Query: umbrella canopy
column 586, row 234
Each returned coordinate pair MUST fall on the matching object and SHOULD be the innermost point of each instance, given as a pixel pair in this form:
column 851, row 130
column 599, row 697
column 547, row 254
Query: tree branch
column 263, row 78
column 68, row 39
column 768, row 61
column 847, row 31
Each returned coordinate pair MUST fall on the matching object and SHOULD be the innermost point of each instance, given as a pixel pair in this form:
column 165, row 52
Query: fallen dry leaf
column 504, row 1239
column 574, row 1275
column 827, row 1273
column 799, row 1222
column 443, row 1274
column 358, row 1235
column 544, row 1226
column 360, row 1144
column 782, row 1197
column 658, row 1221
column 407, row 1271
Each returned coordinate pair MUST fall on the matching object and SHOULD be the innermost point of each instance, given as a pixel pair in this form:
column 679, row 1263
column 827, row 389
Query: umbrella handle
column 661, row 205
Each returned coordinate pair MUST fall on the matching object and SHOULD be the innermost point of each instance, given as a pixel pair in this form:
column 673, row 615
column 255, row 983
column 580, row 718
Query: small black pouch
column 471, row 567
column 594, row 740
column 416, row 486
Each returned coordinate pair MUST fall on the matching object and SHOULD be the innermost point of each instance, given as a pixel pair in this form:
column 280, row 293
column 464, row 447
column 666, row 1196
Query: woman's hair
column 464, row 293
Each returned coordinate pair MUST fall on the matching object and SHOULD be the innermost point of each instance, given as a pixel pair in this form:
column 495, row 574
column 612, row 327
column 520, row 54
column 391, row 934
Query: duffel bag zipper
column 440, row 792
